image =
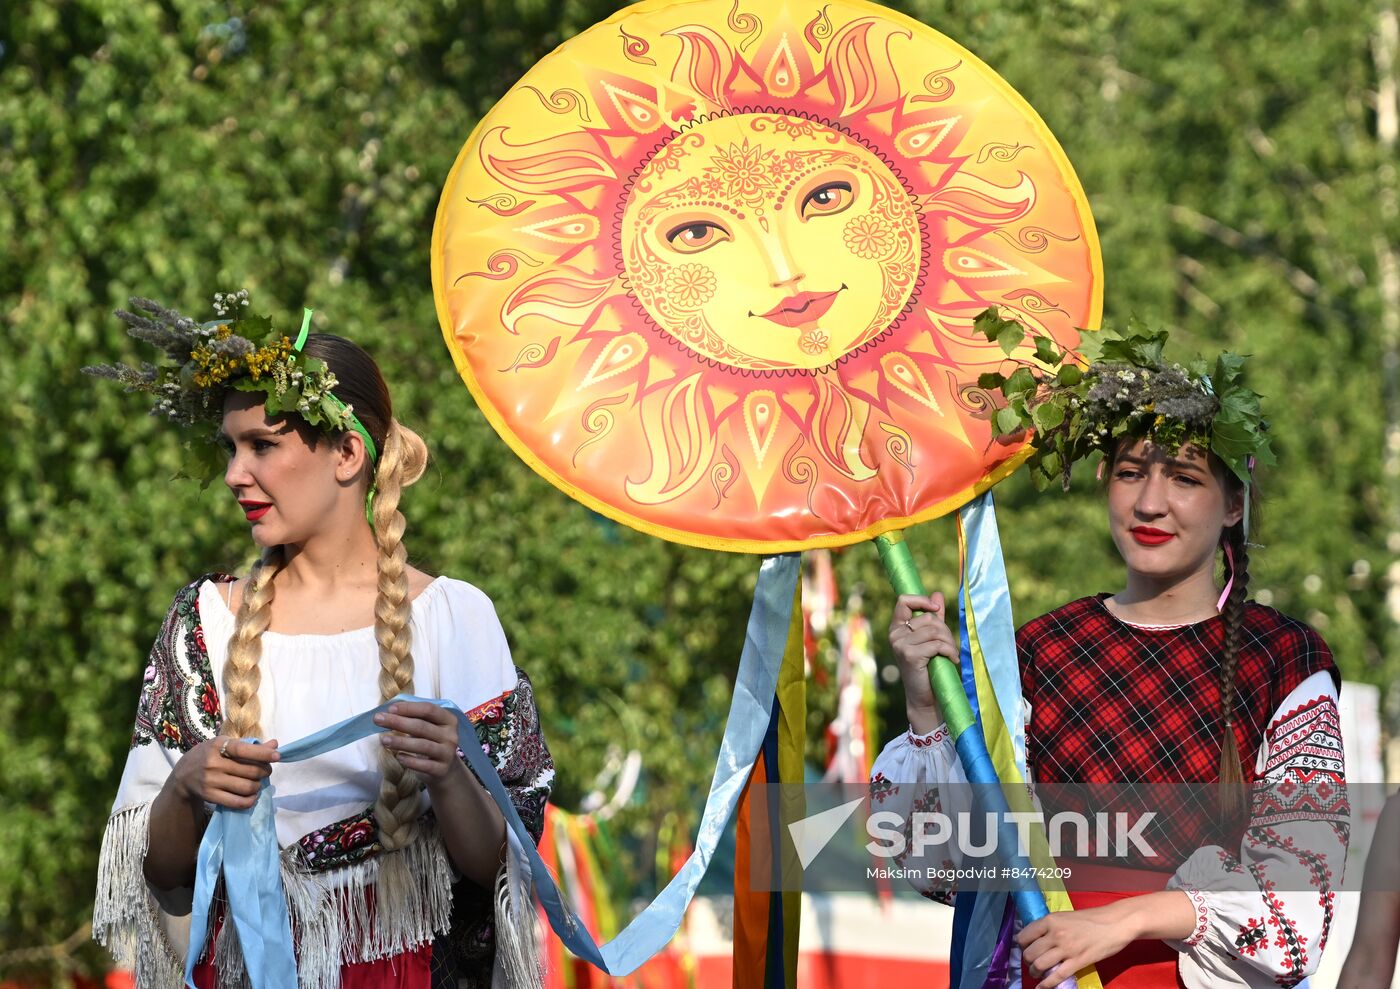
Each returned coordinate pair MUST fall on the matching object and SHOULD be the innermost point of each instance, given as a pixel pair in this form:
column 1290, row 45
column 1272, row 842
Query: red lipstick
column 1146, row 535
column 804, row 307
column 255, row 510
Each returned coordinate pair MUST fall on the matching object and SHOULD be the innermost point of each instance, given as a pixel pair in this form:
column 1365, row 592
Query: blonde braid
column 242, row 712
column 401, row 463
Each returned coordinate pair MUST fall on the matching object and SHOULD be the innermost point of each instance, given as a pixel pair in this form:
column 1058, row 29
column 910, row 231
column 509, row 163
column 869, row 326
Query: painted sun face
column 713, row 268
column 767, row 240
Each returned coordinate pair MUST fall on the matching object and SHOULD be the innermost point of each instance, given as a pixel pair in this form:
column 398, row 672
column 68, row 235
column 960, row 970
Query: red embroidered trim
column 924, row 741
column 1198, row 900
column 489, row 710
column 1322, row 701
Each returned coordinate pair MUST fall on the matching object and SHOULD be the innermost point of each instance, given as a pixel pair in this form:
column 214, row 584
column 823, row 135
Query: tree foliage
column 173, row 148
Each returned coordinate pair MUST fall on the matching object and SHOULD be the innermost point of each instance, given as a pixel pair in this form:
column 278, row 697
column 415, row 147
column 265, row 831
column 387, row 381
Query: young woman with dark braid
column 391, row 848
column 1221, row 712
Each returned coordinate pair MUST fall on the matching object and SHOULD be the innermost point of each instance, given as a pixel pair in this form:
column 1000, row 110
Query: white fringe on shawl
column 126, row 919
column 519, row 963
column 333, row 919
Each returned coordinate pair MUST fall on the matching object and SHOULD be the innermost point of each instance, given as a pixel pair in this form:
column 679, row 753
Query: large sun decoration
column 712, row 268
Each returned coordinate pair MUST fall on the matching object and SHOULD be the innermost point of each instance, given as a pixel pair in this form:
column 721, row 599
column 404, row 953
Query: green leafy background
column 173, row 148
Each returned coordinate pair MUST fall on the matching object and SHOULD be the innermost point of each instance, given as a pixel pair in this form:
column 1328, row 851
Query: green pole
column 944, row 677
column 946, row 680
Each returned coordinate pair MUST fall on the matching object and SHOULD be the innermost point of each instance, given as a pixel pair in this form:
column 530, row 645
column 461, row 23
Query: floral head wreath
column 1120, row 384
column 235, row 352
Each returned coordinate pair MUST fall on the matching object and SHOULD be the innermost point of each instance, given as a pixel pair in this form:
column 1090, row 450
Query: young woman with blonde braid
column 391, row 849
column 1224, row 710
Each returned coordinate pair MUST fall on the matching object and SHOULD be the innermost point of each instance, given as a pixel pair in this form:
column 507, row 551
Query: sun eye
column 827, row 200
column 697, row 236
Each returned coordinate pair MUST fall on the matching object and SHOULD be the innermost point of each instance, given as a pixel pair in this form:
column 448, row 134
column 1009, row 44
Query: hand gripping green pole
column 944, row 677
column 946, row 681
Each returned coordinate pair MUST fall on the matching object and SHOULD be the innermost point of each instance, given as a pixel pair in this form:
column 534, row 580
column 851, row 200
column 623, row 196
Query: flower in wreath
column 868, row 236
column 691, row 285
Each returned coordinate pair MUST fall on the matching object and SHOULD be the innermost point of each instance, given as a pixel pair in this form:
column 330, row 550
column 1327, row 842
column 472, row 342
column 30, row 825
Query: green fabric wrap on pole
column 944, row 677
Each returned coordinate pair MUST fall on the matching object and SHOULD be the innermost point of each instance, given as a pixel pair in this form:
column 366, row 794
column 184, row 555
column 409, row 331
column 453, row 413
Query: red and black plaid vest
column 1112, row 703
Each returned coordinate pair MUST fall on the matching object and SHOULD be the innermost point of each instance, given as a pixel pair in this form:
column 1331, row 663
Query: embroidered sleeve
column 509, row 729
column 179, row 706
column 1269, row 905
column 913, row 775
column 177, row 709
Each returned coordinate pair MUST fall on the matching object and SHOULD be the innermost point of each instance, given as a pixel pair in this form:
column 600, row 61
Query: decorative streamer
column 991, row 676
column 242, row 845
column 751, row 917
column 971, row 747
column 792, row 744
column 556, row 961
column 771, row 856
column 766, row 921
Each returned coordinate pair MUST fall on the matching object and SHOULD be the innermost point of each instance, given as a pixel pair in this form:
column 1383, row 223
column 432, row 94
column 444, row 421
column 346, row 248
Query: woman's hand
column 224, row 771
column 917, row 634
column 1057, row 946
column 423, row 737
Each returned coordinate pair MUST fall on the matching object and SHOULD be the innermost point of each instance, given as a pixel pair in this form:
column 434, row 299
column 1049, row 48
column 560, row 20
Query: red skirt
column 1149, row 964
column 410, row 970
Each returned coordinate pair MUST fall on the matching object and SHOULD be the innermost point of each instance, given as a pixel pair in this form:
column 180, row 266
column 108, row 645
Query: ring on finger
column 909, row 626
column 223, row 749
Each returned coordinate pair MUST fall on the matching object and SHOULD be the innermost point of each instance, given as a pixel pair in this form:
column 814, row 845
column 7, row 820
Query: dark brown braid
column 1232, row 803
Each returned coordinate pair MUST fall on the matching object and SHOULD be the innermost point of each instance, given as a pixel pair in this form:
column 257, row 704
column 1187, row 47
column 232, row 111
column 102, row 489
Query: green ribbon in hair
column 350, row 416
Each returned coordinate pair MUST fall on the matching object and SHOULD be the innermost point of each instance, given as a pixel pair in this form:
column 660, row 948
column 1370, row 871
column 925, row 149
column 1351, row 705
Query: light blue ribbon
column 978, row 913
column 243, row 844
column 989, row 593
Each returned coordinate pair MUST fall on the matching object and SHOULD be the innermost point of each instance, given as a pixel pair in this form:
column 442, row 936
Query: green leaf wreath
column 1077, row 403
